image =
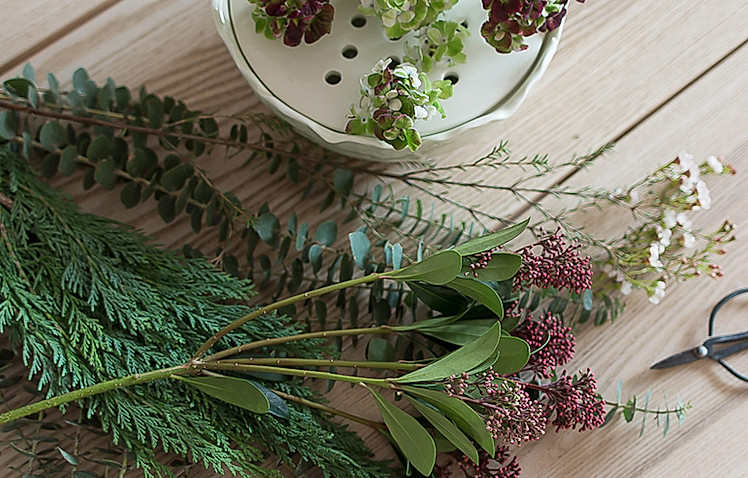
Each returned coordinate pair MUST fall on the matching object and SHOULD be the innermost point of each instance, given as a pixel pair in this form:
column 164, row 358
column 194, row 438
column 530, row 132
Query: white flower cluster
column 672, row 224
column 688, row 171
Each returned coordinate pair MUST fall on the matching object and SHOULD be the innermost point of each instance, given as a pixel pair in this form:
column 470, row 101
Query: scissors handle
column 742, row 344
column 721, row 339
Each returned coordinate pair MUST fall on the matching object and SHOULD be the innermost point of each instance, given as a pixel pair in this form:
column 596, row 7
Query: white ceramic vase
column 313, row 86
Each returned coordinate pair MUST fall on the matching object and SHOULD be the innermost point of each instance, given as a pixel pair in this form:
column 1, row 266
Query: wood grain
column 658, row 78
column 30, row 28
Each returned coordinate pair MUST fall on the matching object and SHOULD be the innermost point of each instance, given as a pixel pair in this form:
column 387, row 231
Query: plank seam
column 55, row 36
column 524, row 210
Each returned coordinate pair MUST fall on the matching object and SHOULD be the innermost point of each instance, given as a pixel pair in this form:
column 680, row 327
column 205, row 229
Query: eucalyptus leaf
column 380, row 350
column 326, row 233
column 491, row 241
column 7, row 128
column 52, row 135
column 462, row 359
column 449, row 430
column 73, row 460
column 130, row 194
column 502, row 266
column 465, row 417
column 437, row 269
column 235, row 391
column 267, row 227
column 360, row 246
column 481, row 292
column 106, row 173
column 410, row 437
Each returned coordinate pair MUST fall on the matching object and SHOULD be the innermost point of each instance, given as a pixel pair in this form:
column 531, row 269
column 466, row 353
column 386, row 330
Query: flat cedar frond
column 87, row 300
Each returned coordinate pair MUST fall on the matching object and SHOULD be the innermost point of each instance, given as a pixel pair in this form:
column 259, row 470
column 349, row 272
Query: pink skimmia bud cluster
column 550, row 340
column 573, row 401
column 558, row 265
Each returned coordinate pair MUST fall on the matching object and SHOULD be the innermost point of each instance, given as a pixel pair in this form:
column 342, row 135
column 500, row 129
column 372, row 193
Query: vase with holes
column 390, row 78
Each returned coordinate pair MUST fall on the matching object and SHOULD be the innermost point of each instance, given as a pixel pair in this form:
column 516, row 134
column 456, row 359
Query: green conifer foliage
column 86, row 299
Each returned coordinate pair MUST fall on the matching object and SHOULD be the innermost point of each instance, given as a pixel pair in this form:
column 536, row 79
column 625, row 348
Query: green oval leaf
column 501, row 267
column 267, row 227
column 465, row 417
column 100, row 148
column 326, row 233
column 449, row 430
column 166, row 208
column 380, row 350
column 481, row 292
column 360, row 247
column 439, row 298
column 68, row 160
column 437, row 269
column 235, row 391
column 413, row 440
column 130, row 195
column 18, row 86
column 301, row 235
column 461, row 332
column 106, row 173
column 513, row 355
column 174, row 178
column 427, row 323
column 278, row 406
column 491, row 241
column 67, row 456
column 463, row 359
column 7, row 126
column 52, row 135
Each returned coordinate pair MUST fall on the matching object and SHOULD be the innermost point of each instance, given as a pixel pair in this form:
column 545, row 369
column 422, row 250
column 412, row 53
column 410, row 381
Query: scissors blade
column 687, row 356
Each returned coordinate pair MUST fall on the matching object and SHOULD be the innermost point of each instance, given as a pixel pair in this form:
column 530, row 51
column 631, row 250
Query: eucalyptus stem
column 229, row 365
column 331, row 410
column 97, row 389
column 649, row 411
column 297, row 362
column 324, row 334
column 274, row 306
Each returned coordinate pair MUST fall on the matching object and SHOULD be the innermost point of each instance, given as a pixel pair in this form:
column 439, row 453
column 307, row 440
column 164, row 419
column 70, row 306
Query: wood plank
column 707, row 118
column 28, row 29
column 597, row 89
column 187, row 60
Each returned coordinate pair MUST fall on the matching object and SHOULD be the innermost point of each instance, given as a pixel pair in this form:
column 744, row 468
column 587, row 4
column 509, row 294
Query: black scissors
column 707, row 349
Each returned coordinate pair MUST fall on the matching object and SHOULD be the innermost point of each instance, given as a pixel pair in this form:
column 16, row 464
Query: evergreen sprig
column 87, row 300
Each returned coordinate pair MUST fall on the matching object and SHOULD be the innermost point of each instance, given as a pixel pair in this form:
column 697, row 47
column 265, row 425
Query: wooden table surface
column 656, row 78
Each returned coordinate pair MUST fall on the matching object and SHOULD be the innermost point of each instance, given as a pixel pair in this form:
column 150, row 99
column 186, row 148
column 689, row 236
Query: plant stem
column 294, row 338
column 650, row 411
column 334, row 411
column 228, row 365
column 296, row 362
column 93, row 390
column 277, row 305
